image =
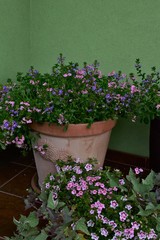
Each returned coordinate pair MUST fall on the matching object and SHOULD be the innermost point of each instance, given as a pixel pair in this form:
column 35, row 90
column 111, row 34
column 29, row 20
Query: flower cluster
column 79, row 202
column 103, row 198
column 70, row 94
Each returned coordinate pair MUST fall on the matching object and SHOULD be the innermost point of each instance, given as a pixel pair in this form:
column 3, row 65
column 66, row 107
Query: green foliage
column 27, row 227
column 81, row 226
column 61, row 213
column 70, row 94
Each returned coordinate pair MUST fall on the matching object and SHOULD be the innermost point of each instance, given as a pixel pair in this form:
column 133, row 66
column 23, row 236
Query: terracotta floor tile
column 20, row 183
column 9, row 206
column 8, row 170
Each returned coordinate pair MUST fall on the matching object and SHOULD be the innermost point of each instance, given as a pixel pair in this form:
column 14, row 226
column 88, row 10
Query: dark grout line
column 24, row 165
column 14, row 177
column 11, row 194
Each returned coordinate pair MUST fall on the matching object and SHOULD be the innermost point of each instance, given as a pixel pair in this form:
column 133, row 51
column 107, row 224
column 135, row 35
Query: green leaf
column 42, row 236
column 158, row 224
column 51, row 203
column 81, row 226
column 151, row 206
column 138, row 187
column 150, row 180
column 60, row 204
column 66, row 214
column 16, row 222
column 80, row 236
column 33, row 219
column 145, row 213
column 43, row 196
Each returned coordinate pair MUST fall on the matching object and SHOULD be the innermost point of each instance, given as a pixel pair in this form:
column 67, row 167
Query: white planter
column 78, row 141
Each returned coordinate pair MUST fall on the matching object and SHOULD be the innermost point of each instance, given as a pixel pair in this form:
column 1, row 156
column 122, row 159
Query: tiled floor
column 16, row 173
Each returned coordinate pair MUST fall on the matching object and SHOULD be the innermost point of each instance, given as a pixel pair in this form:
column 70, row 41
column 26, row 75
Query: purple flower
column 90, row 223
column 60, row 92
column 77, row 170
column 121, row 181
column 128, row 207
column 152, row 235
column 94, row 236
column 91, row 211
column 142, row 235
column 48, row 110
column 48, row 185
column 118, row 233
column 104, row 232
column 51, row 178
column 5, row 89
column 94, row 87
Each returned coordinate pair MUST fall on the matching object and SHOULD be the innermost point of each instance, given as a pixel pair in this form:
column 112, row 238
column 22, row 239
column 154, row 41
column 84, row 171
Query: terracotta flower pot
column 78, row 141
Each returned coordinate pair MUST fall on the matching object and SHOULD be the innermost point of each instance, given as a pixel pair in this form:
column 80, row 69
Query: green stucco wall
column 115, row 32
column 14, row 37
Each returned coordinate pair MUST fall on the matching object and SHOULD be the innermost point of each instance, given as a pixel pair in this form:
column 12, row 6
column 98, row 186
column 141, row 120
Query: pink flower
column 19, row 141
column 84, row 91
column 94, row 192
column 26, row 120
column 32, row 82
column 70, row 185
column 134, row 89
column 74, row 192
column 121, row 181
column 135, row 225
column 88, row 167
column 113, row 204
column 26, row 104
column 138, row 170
column 111, row 74
column 65, row 75
column 11, row 103
column 158, row 106
column 79, row 194
column 112, row 224
column 123, row 216
column 129, row 233
column 49, row 89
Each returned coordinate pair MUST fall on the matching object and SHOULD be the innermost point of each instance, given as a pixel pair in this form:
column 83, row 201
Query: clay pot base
column 34, row 184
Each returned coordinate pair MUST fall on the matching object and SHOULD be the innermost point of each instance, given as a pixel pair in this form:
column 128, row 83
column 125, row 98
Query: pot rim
column 73, row 130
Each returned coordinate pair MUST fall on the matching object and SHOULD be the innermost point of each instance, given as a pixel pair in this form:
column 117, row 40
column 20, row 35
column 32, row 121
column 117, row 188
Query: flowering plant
column 73, row 95
column 82, row 203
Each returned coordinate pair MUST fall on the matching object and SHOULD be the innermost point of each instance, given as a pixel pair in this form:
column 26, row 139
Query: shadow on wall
column 137, row 141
